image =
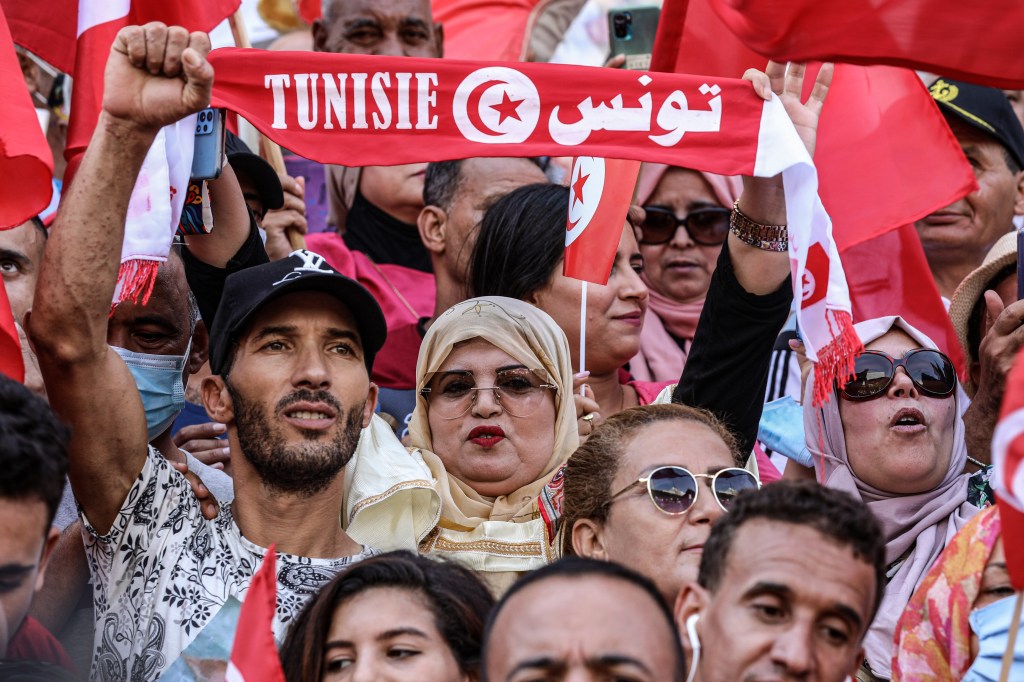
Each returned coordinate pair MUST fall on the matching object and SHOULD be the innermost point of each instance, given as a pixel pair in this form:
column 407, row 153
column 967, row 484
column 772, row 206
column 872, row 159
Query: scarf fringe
column 136, row 279
column 835, row 361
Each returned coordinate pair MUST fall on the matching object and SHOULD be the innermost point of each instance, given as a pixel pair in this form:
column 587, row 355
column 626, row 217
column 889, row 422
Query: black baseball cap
column 983, row 108
column 255, row 167
column 246, row 291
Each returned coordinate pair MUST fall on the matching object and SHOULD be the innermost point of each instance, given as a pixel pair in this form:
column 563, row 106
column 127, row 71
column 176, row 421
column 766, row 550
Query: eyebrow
column 843, row 610
column 382, row 637
column 11, row 571
column 604, row 661
column 504, row 368
column 11, row 254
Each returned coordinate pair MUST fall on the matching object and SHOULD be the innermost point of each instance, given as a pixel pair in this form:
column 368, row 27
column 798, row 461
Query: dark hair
column 1011, row 162
column 440, row 182
column 35, row 220
column 521, row 241
column 590, row 470
column 456, row 597
column 33, row 448
column 833, row 513
column 579, row 567
column 977, row 315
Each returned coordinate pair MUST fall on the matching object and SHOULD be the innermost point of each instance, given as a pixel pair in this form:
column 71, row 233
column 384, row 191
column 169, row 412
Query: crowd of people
column 398, row 410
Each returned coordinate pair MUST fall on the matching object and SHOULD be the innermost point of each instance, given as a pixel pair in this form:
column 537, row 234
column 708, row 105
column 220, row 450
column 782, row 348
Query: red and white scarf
column 360, row 110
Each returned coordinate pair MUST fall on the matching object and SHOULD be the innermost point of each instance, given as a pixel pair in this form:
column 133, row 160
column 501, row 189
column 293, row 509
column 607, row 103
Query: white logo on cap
column 311, row 262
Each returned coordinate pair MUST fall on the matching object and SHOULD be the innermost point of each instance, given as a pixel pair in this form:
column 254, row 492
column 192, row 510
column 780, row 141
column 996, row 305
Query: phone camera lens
column 621, row 24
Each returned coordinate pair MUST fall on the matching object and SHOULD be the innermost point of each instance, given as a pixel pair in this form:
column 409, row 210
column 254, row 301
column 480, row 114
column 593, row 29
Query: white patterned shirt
column 163, row 572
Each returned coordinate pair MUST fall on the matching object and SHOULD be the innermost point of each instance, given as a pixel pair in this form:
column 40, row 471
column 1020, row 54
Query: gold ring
column 589, row 417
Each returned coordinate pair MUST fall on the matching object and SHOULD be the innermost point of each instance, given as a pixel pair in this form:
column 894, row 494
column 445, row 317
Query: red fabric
column 395, row 364
column 33, row 642
column 931, row 35
column 880, row 129
column 1007, row 472
column 485, row 29
column 600, row 191
column 26, row 163
column 254, row 652
column 492, row 113
column 11, row 362
column 888, row 275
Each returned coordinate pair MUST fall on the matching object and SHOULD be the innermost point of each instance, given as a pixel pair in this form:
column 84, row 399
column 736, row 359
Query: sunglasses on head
column 931, row 371
column 673, row 490
column 706, row 226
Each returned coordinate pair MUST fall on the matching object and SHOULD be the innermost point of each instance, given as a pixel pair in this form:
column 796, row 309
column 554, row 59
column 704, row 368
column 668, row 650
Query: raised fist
column 157, row 75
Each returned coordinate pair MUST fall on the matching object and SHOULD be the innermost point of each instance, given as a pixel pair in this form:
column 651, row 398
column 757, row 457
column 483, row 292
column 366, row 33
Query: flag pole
column 583, row 329
column 269, row 149
column 1011, row 645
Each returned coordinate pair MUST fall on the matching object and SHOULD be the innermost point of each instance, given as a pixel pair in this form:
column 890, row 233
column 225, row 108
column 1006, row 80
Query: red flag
column 254, row 652
column 930, row 35
column 486, row 29
column 11, row 362
column 310, row 10
column 600, row 191
column 26, row 163
column 690, row 40
column 889, row 275
column 1007, row 472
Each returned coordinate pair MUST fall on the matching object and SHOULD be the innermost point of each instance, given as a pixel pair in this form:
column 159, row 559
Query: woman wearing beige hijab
column 494, row 421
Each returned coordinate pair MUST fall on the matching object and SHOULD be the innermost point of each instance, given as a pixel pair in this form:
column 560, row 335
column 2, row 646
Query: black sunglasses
column 706, row 226
column 931, row 371
column 673, row 489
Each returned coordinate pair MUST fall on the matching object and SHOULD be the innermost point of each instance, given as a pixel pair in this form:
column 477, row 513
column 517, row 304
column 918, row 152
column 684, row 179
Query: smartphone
column 208, row 153
column 631, row 32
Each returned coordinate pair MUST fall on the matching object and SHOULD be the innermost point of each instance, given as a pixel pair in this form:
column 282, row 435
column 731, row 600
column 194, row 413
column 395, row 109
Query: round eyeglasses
column 519, row 391
column 674, row 490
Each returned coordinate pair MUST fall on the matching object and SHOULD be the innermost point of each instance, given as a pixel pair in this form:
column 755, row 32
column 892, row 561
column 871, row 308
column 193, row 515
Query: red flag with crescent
column 600, row 191
column 1008, row 471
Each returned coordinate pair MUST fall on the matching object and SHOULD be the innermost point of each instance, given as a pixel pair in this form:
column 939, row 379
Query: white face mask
column 992, row 626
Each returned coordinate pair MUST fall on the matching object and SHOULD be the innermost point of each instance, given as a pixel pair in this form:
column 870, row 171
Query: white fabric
column 163, row 572
column 95, row 12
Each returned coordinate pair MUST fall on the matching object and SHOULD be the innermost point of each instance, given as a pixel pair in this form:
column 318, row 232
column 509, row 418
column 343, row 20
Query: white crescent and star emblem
column 807, row 285
column 588, row 173
column 496, row 105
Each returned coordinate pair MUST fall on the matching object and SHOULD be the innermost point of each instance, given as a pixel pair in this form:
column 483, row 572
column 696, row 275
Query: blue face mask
column 782, row 430
column 160, row 384
column 992, row 626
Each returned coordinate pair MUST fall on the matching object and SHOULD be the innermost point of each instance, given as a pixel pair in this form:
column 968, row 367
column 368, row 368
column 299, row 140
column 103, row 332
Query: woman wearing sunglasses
column 646, row 487
column 494, row 420
column 893, row 436
column 686, row 222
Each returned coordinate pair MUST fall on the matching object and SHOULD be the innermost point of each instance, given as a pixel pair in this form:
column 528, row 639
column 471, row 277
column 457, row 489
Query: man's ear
column 432, row 224
column 51, row 541
column 217, row 399
column 371, row 405
column 588, row 539
column 200, row 351
column 319, row 30
column 439, row 39
column 1018, row 204
column 692, row 600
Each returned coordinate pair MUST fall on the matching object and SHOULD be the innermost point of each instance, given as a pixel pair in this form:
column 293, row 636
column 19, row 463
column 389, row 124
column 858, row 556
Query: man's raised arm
column 155, row 75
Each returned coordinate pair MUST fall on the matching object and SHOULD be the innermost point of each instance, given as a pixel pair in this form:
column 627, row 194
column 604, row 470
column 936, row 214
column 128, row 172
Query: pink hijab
column 922, row 523
column 660, row 358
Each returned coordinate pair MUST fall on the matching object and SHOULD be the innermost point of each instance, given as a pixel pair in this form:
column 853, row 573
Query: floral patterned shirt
column 163, row 572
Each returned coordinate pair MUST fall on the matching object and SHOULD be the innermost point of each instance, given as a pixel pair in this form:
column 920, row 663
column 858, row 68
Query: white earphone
column 691, row 633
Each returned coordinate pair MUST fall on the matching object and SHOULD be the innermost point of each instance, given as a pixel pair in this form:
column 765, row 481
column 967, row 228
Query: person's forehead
column 895, row 342
column 169, row 298
column 315, row 308
column 969, row 136
column 687, row 444
column 382, row 9
column 811, row 567
column 24, row 238
column 592, row 615
column 483, row 176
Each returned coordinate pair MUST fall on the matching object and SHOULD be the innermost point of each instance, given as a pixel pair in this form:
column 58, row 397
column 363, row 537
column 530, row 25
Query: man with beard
column 292, row 345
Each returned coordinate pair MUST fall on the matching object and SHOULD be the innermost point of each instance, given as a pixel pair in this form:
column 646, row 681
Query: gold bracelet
column 758, row 235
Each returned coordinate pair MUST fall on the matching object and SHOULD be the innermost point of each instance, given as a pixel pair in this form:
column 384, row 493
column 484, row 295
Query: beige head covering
column 530, row 336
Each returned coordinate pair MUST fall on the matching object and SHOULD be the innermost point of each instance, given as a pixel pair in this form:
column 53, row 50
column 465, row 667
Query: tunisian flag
column 486, row 29
column 12, row 363
column 254, row 653
column 26, row 163
column 1008, row 471
column 940, row 36
column 600, row 191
